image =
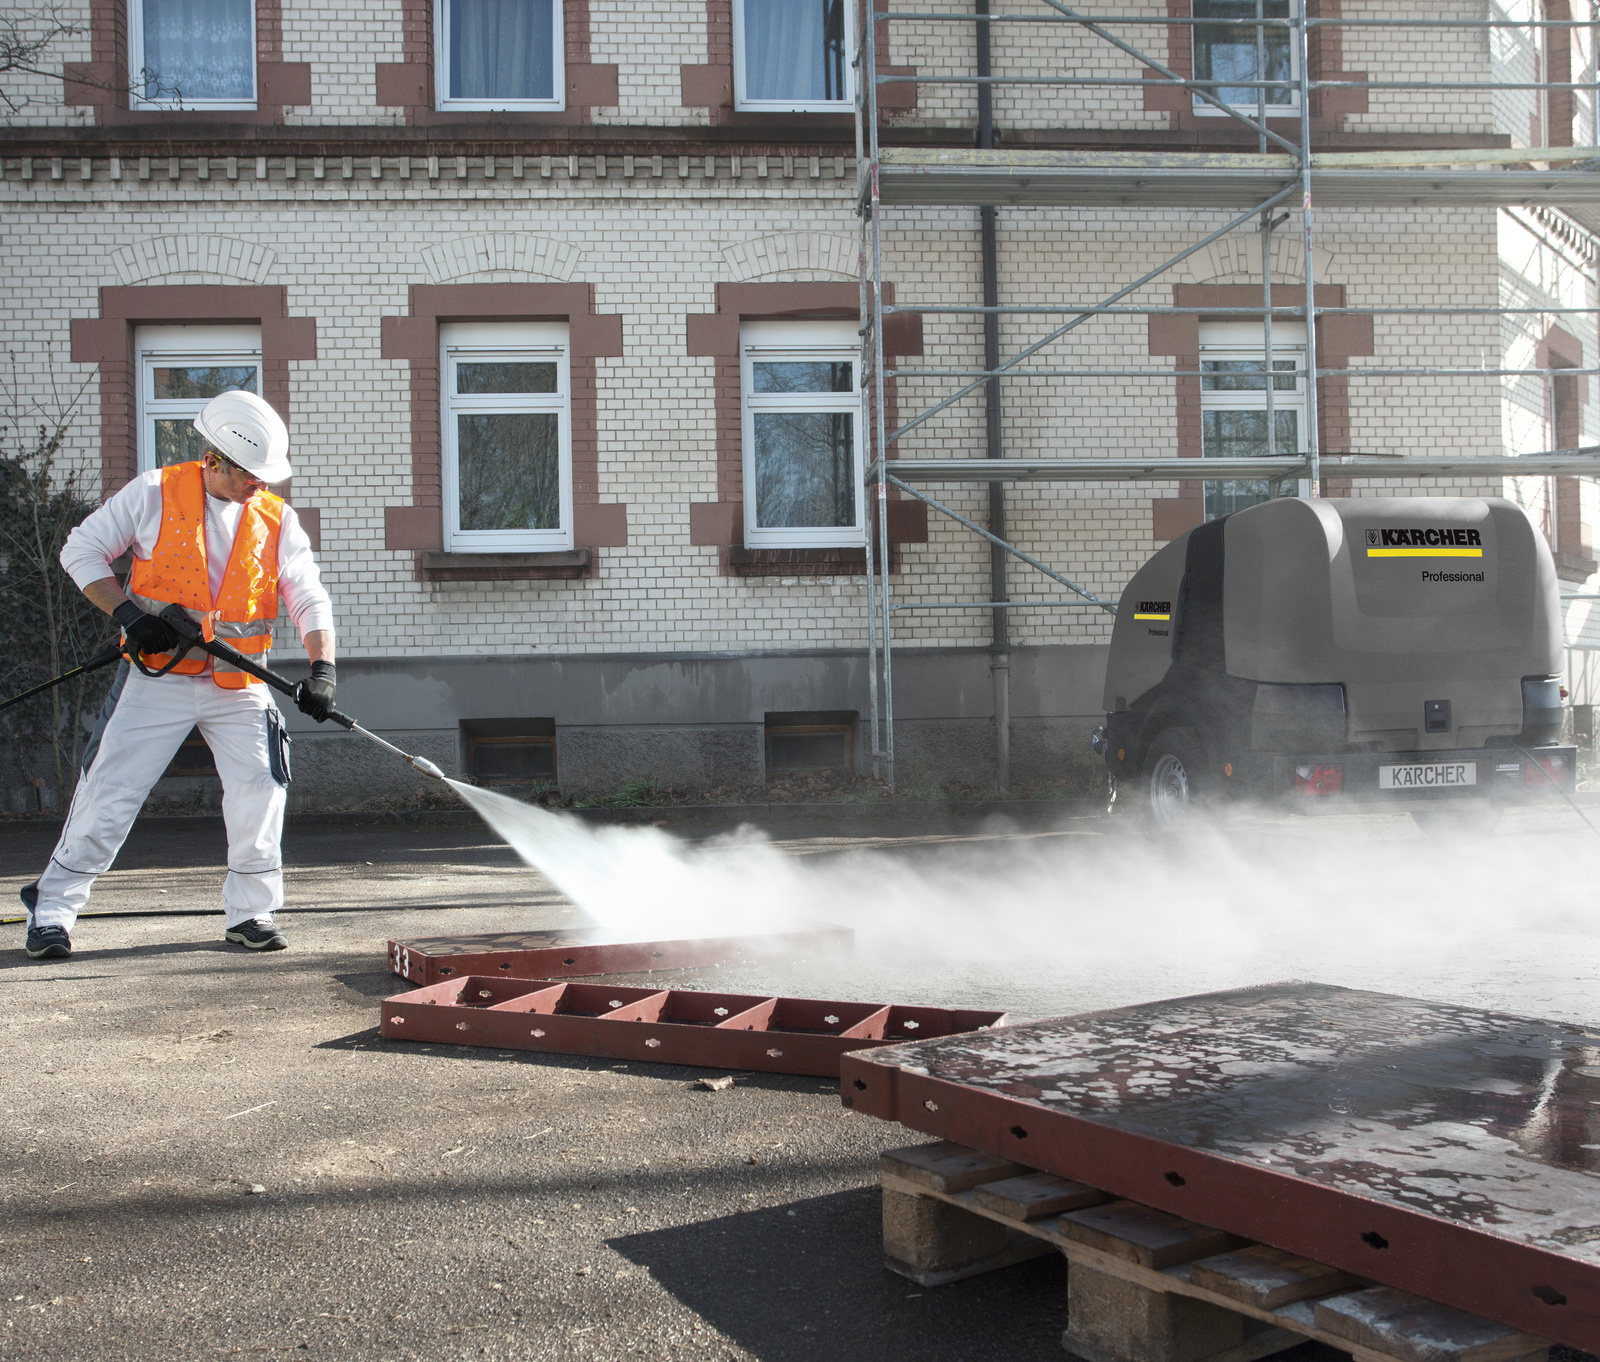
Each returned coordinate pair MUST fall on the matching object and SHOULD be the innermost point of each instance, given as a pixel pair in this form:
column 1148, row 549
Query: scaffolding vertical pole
column 994, row 448
column 869, row 77
column 1313, row 441
column 1594, row 100
column 864, row 390
column 1266, row 240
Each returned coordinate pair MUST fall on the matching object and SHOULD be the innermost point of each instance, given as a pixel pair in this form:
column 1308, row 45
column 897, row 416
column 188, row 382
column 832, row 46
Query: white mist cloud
column 1101, row 914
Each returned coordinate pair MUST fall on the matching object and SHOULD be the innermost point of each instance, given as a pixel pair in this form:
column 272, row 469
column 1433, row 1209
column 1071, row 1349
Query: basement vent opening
column 510, row 751
column 804, row 741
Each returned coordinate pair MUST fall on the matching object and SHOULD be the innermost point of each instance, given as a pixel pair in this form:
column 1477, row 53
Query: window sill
column 564, row 566
column 797, row 562
column 470, row 106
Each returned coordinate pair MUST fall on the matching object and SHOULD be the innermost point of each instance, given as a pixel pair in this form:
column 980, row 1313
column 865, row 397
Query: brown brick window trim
column 103, row 81
column 1338, row 339
column 505, row 567
column 415, row 337
column 409, row 84
column 715, row 335
column 108, row 340
column 1559, row 104
column 711, row 86
column 908, row 524
column 1328, row 107
column 1560, row 349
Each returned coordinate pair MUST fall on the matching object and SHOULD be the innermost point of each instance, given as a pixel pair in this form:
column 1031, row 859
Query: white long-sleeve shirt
column 132, row 520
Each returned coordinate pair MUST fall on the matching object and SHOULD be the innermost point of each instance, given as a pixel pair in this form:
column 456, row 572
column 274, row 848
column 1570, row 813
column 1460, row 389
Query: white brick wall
column 655, row 249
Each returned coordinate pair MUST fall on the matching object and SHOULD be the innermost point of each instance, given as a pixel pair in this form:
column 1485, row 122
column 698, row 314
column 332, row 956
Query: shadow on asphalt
column 10, row 960
column 807, row 1280
column 797, row 1282
column 370, row 1039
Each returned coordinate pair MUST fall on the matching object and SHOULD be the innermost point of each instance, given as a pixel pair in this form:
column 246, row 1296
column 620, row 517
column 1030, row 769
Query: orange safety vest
column 176, row 573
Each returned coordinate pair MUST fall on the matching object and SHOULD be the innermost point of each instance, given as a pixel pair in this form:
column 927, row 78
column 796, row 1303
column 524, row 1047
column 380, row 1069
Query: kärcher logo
column 1430, row 538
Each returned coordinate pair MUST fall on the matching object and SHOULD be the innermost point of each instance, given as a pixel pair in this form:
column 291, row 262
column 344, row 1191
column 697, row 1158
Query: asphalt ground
column 211, row 1153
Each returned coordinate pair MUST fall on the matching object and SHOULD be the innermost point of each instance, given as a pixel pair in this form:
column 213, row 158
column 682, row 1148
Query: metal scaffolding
column 1282, row 174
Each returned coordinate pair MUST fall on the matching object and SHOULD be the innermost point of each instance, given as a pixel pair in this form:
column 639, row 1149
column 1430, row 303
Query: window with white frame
column 1233, row 403
column 181, row 368
column 802, row 465
column 1226, row 49
column 192, row 54
column 791, row 56
column 499, row 54
column 506, row 405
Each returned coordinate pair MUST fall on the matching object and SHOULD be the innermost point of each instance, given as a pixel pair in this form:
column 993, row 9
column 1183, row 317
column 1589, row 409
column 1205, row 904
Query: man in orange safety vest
column 208, row 536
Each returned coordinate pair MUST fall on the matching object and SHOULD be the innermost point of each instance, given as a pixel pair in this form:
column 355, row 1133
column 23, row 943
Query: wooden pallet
column 1147, row 1286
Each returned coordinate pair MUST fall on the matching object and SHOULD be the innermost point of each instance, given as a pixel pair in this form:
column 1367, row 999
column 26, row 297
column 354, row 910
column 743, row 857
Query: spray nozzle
column 427, row 767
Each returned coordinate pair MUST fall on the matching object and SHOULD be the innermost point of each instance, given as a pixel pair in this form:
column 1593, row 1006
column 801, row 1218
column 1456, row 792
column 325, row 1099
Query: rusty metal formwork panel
column 1445, row 1151
column 662, row 1026
column 561, row 954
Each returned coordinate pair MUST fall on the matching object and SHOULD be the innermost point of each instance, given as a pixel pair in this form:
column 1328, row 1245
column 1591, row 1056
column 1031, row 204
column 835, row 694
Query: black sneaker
column 257, row 935
column 49, row 943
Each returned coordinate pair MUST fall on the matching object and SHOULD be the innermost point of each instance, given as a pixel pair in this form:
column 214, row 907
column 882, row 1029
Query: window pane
column 809, row 376
column 198, row 49
column 1231, row 375
column 508, row 471
column 202, row 380
column 505, row 377
column 501, row 49
column 1224, row 51
column 794, row 50
column 805, row 469
column 177, row 441
column 1243, row 435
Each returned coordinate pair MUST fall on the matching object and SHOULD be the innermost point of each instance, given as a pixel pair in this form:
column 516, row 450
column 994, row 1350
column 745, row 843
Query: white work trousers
column 151, row 720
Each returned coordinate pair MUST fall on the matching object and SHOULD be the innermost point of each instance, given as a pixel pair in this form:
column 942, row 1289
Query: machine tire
column 1458, row 820
column 1174, row 780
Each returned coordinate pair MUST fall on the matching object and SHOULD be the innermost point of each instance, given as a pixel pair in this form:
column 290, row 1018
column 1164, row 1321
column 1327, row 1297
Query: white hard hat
column 244, row 429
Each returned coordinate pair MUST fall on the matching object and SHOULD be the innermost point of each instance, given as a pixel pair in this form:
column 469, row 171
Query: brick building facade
column 375, row 225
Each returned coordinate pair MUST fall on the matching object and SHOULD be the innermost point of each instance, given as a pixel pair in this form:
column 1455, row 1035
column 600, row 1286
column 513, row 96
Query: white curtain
column 793, row 50
column 198, row 49
column 501, row 49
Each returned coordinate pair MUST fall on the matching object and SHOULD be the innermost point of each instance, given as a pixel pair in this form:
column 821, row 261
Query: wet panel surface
column 1479, row 1118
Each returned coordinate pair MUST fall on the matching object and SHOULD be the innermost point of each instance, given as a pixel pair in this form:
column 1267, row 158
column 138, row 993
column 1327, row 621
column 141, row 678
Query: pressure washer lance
column 191, row 636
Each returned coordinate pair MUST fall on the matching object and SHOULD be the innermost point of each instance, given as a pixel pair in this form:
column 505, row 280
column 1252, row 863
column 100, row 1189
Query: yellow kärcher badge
column 1153, row 610
column 1152, row 617
column 1436, row 542
column 1425, row 553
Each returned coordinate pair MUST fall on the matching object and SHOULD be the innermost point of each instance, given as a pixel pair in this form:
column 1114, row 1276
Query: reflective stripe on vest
column 177, row 573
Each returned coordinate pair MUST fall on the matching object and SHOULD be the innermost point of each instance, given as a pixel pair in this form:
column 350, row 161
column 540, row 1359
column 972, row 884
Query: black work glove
column 315, row 696
column 147, row 633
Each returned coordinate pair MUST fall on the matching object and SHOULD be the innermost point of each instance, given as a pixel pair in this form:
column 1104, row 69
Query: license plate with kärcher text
column 1428, row 775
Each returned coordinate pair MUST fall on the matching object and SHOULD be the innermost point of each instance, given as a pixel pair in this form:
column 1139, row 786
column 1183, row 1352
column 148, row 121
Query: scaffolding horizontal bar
column 1207, row 373
column 1240, row 470
column 1287, row 110
column 968, row 177
column 1172, row 21
column 1014, row 605
column 1163, row 310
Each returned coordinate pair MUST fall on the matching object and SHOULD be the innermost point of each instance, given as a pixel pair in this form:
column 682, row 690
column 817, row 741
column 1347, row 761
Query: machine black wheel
column 1457, row 820
column 1174, row 779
